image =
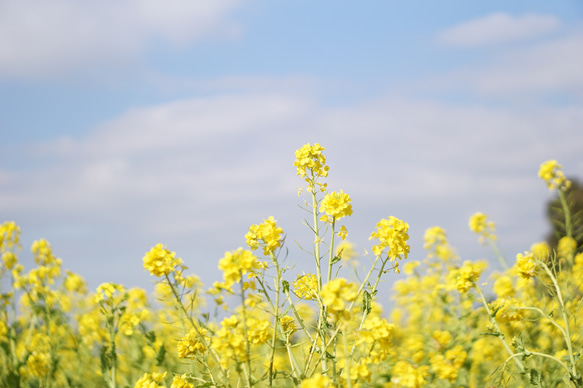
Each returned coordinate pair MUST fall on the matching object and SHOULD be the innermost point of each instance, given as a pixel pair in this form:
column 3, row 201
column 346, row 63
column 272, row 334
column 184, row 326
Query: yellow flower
column 238, row 263
column 309, row 159
column 342, row 233
column 9, row 236
column 107, row 292
column 550, row 172
column 191, row 345
column 406, row 375
column 267, row 233
column 503, row 287
column 335, row 205
column 181, row 382
column 337, row 294
column 306, row 286
column 526, row 266
column 317, row 381
column 154, row 380
column 435, row 241
column 541, row 250
column 160, row 261
column 392, row 234
column 75, row 283
column 467, row 275
column 566, row 247
column 485, row 229
column 9, row 259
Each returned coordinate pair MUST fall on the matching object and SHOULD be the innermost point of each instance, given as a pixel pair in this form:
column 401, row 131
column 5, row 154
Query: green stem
column 197, row 330
column 331, row 258
column 498, row 331
column 275, row 317
column 567, row 212
column 246, row 333
column 567, row 335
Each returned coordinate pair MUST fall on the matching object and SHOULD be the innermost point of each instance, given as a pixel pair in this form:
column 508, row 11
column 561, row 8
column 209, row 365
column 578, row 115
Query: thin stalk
column 498, row 254
column 245, row 332
column 195, row 327
column 498, row 331
column 331, row 258
column 567, row 212
column 275, row 317
column 567, row 335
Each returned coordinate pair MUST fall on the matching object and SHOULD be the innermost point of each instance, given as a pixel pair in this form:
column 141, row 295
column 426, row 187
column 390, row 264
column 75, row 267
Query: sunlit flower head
column 550, row 171
column 160, row 261
column 480, row 225
column 335, row 205
column 526, row 265
column 467, row 275
column 266, row 234
column 306, row 286
column 391, row 233
column 310, row 160
column 238, row 263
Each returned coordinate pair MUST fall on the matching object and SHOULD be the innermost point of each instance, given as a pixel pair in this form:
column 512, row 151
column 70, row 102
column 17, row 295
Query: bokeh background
column 129, row 123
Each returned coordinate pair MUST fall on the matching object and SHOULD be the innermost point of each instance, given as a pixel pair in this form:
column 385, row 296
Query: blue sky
column 125, row 124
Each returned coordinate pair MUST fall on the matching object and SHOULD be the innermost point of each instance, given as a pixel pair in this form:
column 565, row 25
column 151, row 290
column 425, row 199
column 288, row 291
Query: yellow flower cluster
column 267, row 234
column 238, row 263
column 335, row 205
column 9, row 236
column 447, row 366
column 409, row 376
column 230, row 342
column 392, row 234
column 317, row 381
column 311, row 161
column 467, row 275
column 435, row 241
column 550, row 171
column 377, row 333
column 338, row 294
column 153, row 380
column 160, row 261
column 566, row 247
column 181, row 382
column 485, row 229
column 110, row 293
column 306, row 286
column 526, row 265
column 190, row 346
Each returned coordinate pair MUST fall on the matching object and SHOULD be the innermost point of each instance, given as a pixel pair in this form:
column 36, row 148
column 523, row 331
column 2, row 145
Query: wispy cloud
column 499, row 28
column 39, row 38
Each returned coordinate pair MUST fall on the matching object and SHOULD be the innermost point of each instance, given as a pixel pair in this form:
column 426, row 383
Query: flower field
column 283, row 326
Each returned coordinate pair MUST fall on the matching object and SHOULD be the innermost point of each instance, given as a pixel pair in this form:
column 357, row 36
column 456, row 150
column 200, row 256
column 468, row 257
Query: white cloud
column 499, row 28
column 42, row 38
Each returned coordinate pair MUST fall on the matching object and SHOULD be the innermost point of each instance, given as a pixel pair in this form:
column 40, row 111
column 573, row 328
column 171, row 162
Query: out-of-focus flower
column 391, row 233
column 550, row 171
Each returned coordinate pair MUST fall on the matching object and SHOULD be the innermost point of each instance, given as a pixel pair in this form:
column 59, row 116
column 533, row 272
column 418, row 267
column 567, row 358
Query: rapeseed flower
column 391, row 233
column 306, row 286
column 181, row 382
column 317, row 381
column 267, row 234
column 191, row 346
column 526, row 265
column 238, row 263
column 566, row 247
column 407, row 375
column 9, row 236
column 311, row 161
column 467, row 275
column 154, row 380
column 550, row 172
column 337, row 294
column 160, row 261
column 485, row 229
column 335, row 205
